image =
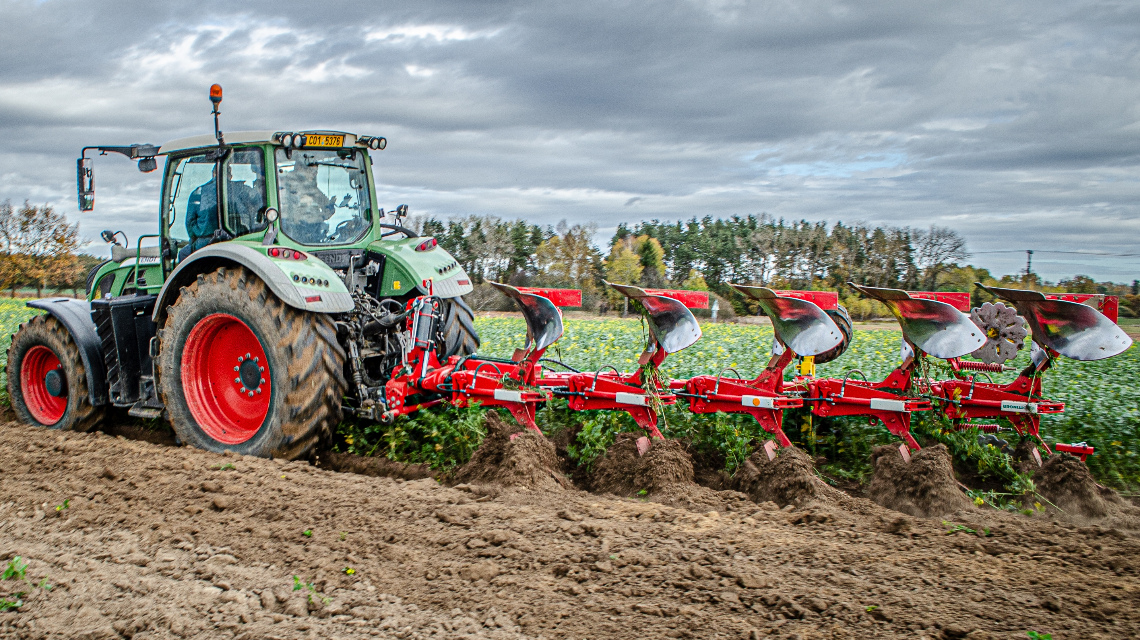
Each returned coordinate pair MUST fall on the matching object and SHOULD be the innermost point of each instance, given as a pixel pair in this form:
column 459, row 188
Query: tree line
column 711, row 253
column 40, row 249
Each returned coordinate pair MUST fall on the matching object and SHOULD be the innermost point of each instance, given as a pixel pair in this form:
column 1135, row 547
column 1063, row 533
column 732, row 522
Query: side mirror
column 108, row 236
column 402, row 211
column 85, row 183
column 146, row 165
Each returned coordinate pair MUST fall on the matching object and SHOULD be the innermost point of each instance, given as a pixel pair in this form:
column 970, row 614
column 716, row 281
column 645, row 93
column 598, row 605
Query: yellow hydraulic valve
column 807, row 366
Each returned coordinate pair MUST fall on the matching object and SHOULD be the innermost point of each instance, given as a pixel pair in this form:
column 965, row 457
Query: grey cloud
column 1016, row 124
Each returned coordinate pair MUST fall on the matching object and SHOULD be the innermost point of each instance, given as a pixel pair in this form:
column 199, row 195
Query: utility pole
column 1028, row 264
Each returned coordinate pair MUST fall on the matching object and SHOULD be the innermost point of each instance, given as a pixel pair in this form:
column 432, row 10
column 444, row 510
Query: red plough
column 672, row 327
column 809, row 326
column 801, row 328
column 1059, row 326
column 492, row 382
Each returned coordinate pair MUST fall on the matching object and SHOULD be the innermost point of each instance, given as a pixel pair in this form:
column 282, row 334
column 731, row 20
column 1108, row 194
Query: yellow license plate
column 320, row 140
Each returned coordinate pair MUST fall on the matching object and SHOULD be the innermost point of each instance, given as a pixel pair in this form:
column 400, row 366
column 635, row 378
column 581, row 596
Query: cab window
column 323, row 195
column 192, row 203
column 245, row 191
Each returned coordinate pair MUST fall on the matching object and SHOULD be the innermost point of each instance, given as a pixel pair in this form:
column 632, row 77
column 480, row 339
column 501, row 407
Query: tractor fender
column 234, row 254
column 75, row 316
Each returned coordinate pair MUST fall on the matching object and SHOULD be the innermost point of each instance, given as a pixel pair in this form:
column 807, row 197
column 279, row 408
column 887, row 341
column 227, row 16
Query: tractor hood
column 413, row 262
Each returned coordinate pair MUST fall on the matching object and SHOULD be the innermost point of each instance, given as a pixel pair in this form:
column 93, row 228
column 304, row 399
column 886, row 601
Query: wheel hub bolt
column 249, row 375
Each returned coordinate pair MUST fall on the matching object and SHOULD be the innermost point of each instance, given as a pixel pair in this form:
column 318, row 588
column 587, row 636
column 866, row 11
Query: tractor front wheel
column 47, row 381
column 241, row 371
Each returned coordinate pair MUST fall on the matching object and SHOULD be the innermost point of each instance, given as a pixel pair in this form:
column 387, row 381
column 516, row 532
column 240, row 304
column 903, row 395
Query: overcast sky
column 1015, row 123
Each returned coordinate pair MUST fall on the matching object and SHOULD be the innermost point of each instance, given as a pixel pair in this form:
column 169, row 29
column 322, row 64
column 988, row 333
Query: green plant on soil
column 1033, row 635
column 442, row 438
column 310, row 590
column 16, row 569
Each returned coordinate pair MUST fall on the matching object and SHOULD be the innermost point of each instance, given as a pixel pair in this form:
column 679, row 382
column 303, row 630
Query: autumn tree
column 936, row 251
column 695, row 282
column 623, row 267
column 568, row 259
column 12, row 272
column 43, row 245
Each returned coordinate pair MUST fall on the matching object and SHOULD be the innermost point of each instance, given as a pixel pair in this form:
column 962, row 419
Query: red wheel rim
column 38, row 362
column 225, row 377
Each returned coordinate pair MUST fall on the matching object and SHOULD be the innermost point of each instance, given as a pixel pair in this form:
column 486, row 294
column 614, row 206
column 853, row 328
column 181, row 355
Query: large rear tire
column 458, row 329
column 239, row 370
column 47, row 381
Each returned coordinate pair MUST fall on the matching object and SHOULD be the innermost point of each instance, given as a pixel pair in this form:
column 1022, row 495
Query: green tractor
column 271, row 303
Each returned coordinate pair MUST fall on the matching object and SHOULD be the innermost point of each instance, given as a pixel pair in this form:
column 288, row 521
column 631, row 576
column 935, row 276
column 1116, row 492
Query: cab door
column 190, row 205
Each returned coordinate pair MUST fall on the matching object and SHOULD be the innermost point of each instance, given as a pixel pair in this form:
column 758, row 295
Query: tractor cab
column 312, row 188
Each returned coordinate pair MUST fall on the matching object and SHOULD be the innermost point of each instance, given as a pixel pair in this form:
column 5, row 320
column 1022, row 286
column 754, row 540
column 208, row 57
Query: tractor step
column 149, row 413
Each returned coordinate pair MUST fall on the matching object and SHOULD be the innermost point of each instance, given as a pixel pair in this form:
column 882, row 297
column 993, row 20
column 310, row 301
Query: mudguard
column 935, row 327
column 333, row 299
column 75, row 316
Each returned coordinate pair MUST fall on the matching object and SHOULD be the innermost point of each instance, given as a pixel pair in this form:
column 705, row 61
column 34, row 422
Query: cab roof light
column 373, row 142
column 290, row 139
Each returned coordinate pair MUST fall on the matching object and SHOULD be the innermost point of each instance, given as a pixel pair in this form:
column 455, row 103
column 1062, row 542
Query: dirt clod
column 511, row 456
column 924, row 487
column 1066, row 482
column 622, row 471
column 661, row 473
column 788, row 479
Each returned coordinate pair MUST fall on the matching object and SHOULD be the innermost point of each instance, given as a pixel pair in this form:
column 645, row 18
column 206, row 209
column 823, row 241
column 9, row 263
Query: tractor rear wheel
column 47, row 381
column 239, row 370
column 458, row 329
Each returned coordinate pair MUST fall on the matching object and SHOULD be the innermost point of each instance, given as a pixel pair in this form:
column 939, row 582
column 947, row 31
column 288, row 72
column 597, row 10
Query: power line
column 1079, row 253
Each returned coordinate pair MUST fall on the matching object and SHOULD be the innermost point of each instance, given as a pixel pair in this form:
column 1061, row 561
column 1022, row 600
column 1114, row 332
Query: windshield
column 323, row 195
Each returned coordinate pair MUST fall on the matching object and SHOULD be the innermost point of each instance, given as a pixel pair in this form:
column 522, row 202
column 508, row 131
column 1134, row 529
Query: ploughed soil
column 145, row 540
